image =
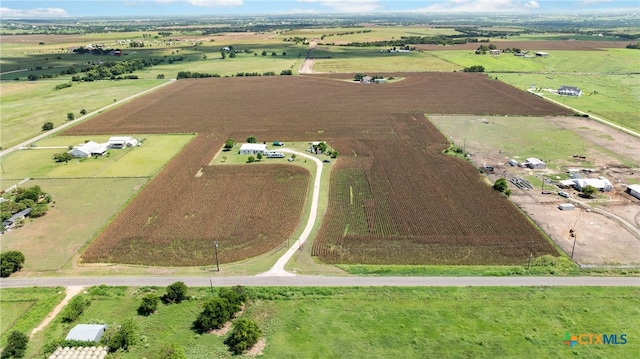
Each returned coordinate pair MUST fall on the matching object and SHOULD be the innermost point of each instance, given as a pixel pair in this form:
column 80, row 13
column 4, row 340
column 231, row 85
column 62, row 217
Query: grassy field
column 612, row 97
column 143, row 161
column 485, row 322
column 519, row 138
column 24, row 308
column 28, row 105
column 370, row 60
column 602, row 62
column 358, row 34
column 81, row 208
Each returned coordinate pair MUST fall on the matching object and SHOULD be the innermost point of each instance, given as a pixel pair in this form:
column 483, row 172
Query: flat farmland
column 372, row 126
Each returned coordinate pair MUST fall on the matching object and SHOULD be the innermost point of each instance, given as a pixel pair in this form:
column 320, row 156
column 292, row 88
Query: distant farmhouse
column 600, row 183
column 122, row 142
column 542, row 54
column 20, row 216
column 569, row 91
column 89, row 149
column 634, row 190
column 535, row 164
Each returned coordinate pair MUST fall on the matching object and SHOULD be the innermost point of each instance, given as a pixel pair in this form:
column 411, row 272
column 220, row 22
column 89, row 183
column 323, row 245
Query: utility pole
column 575, row 239
column 217, row 263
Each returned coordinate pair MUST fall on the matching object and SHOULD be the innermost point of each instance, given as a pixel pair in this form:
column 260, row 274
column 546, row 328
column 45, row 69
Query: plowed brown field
column 415, row 200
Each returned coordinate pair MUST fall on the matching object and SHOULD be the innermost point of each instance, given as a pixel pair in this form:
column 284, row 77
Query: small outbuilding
column 121, row 142
column 10, row 222
column 569, row 91
column 252, row 148
column 634, row 190
column 542, row 54
column 87, row 332
column 535, row 164
column 566, row 206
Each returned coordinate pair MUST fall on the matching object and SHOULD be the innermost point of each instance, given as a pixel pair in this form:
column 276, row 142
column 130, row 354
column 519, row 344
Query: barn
column 87, row 332
column 601, row 183
column 121, row 142
column 252, row 148
column 535, row 164
column 634, row 190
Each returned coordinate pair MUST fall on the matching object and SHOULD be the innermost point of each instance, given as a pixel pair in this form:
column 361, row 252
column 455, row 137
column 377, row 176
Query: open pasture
column 305, row 108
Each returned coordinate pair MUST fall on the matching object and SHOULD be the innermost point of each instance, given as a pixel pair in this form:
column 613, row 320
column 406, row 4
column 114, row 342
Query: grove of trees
column 10, row 262
column 16, row 345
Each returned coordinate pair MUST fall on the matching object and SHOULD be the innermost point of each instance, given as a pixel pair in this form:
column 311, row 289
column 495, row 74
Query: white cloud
column 346, row 5
column 5, row 12
column 483, row 6
column 207, row 3
column 589, row 2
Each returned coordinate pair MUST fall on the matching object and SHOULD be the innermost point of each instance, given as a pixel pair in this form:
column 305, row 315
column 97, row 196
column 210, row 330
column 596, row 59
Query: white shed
column 121, row 142
column 634, row 190
column 535, row 163
column 252, row 148
column 566, row 206
column 87, row 332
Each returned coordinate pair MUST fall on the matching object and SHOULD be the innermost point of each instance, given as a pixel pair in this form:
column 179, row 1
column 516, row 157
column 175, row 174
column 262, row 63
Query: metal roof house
column 252, row 148
column 8, row 224
column 89, row 149
column 87, row 332
column 600, row 183
column 634, row 190
column 121, row 142
column 569, row 91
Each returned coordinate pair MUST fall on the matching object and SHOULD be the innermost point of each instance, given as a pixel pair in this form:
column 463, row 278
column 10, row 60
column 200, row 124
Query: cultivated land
column 359, row 140
column 384, row 322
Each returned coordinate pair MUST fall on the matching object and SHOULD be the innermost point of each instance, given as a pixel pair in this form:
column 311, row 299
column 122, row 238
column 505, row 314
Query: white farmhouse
column 89, row 149
column 252, row 148
column 600, row 183
column 122, row 142
column 569, row 91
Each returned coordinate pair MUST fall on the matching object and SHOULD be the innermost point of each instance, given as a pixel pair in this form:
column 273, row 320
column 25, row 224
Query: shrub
column 74, row 309
column 10, row 262
column 16, row 345
column 47, row 126
column 500, row 185
column 176, row 293
column 124, row 337
column 171, row 351
column 231, row 296
column 149, row 304
column 216, row 311
column 244, row 335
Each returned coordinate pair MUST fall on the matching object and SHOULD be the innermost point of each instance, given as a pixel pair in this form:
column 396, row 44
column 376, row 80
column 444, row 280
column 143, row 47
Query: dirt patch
column 227, row 326
column 257, row 348
column 71, row 292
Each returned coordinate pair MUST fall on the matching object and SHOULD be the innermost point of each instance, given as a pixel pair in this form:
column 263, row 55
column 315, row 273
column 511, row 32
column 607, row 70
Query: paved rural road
column 321, row 281
column 278, row 267
column 81, row 118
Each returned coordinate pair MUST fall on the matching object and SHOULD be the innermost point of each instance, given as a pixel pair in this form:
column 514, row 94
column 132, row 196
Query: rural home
column 542, row 54
column 569, row 91
column 122, row 142
column 535, row 164
column 89, row 149
column 494, row 52
column 10, row 223
column 274, row 154
column 252, row 148
column 600, row 183
column 87, row 332
column 634, row 190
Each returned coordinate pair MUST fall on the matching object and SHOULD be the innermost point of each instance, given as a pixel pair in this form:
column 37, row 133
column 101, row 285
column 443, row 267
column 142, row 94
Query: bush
column 124, row 337
column 216, row 311
column 176, row 293
column 10, row 262
column 231, row 296
column 500, row 185
column 62, row 157
column 149, row 304
column 47, row 126
column 74, row 309
column 244, row 335
column 171, row 351
column 16, row 345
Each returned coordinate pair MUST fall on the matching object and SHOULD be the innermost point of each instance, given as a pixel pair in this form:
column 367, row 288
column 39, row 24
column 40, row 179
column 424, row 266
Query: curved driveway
column 278, row 268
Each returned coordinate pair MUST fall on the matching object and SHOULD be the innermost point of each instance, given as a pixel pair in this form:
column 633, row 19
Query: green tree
column 75, row 308
column 251, row 159
column 334, row 154
column 124, row 337
column 589, row 191
column 234, row 298
column 500, row 185
column 47, row 126
column 70, row 116
column 229, row 143
column 171, row 351
column 264, row 52
column 62, row 157
column 176, row 293
column 232, row 54
column 160, row 76
column 32, row 77
column 259, row 156
column 16, row 345
column 293, row 155
column 83, row 112
column 10, row 262
column 215, row 312
column 245, row 334
column 223, row 54
column 252, row 139
column 149, row 304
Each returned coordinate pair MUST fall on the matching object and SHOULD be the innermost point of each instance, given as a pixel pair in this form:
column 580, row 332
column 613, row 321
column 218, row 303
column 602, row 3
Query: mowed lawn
column 80, row 209
column 483, row 322
column 26, row 106
column 143, row 161
column 23, row 309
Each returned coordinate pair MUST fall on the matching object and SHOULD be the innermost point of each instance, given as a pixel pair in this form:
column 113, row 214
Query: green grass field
column 26, row 106
column 143, row 161
column 23, row 309
column 521, row 138
column 81, row 208
column 484, row 322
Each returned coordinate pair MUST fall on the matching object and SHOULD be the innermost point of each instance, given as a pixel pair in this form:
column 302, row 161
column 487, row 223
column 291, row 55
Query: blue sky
column 141, row 8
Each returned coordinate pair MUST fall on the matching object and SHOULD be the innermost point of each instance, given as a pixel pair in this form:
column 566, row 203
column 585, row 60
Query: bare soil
column 257, row 348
